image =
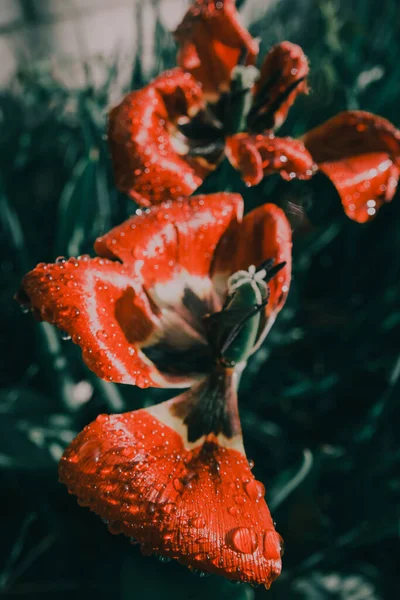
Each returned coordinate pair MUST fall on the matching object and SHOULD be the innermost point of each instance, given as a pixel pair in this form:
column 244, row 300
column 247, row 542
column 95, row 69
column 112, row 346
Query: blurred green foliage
column 319, row 401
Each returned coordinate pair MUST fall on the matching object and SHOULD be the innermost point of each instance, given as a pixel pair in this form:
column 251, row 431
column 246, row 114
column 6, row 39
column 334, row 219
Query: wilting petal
column 196, row 502
column 263, row 234
column 105, row 311
column 171, row 246
column 211, row 43
column 148, row 151
column 364, row 183
column 351, row 133
column 256, row 156
column 360, row 153
column 282, row 78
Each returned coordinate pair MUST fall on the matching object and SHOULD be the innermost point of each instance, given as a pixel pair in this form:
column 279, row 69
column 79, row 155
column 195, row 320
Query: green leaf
column 144, row 577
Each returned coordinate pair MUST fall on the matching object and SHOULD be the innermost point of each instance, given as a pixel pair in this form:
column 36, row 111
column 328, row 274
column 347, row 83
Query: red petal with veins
column 257, row 156
column 276, row 90
column 147, row 150
column 263, row 234
column 105, row 311
column 211, row 42
column 198, row 504
column 172, row 237
column 360, row 153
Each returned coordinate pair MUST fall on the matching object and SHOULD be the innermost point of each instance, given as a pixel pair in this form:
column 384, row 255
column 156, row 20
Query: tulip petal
column 257, row 156
column 282, row 78
column 263, row 234
column 212, row 40
column 364, row 183
column 172, row 245
column 360, row 153
column 195, row 502
column 147, row 150
column 105, row 311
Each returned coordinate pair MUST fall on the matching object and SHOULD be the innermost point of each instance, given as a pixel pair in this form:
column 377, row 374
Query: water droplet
column 243, row 539
column 273, row 545
column 65, row 335
column 234, row 511
column 90, row 451
column 255, row 490
column 178, row 485
column 114, row 527
column 197, row 522
column 169, row 508
column 151, row 508
column 240, row 500
column 102, row 335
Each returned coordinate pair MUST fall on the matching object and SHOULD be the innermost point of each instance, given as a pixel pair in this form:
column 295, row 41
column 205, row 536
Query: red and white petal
column 197, row 503
column 257, row 156
column 364, row 183
column 148, row 153
column 211, row 42
column 171, row 246
column 284, row 65
column 105, row 311
column 360, row 153
column 263, row 234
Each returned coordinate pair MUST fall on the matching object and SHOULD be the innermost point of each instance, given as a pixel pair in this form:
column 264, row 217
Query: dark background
column 320, row 400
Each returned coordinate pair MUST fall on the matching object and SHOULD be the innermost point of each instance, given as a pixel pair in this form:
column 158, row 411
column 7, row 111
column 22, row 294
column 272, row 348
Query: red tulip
column 212, row 41
column 159, row 275
column 160, row 308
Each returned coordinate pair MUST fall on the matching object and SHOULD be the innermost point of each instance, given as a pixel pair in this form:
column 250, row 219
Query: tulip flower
column 167, row 138
column 179, row 296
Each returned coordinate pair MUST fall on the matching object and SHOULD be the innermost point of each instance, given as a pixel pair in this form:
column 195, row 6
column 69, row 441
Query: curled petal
column 263, row 234
column 282, row 78
column 360, row 153
column 364, row 183
column 351, row 133
column 195, row 502
column 256, row 156
column 212, row 41
column 106, row 313
column 148, row 151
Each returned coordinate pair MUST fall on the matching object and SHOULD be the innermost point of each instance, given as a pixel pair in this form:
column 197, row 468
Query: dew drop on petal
column 243, row 539
column 255, row 490
column 240, row 500
column 198, row 522
column 234, row 511
column 273, row 545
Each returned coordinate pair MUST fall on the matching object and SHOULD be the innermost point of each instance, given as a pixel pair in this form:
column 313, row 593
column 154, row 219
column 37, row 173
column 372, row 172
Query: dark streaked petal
column 282, row 78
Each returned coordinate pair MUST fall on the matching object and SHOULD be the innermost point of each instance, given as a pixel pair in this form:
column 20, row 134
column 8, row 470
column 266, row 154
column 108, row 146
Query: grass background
column 320, row 400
